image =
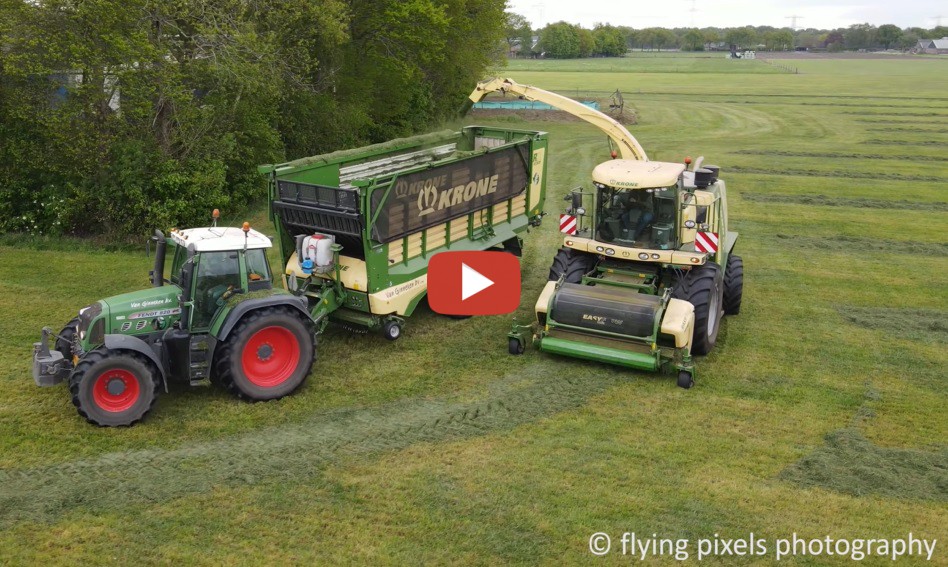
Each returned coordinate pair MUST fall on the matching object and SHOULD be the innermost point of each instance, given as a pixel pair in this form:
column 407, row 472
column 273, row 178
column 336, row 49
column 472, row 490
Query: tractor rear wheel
column 573, row 264
column 114, row 387
column 65, row 339
column 702, row 287
column 266, row 356
column 733, row 285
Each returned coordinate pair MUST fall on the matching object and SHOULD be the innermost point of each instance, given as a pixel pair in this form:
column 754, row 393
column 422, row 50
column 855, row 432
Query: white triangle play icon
column 472, row 281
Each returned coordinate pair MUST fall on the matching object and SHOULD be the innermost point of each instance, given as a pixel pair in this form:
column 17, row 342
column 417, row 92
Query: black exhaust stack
column 157, row 274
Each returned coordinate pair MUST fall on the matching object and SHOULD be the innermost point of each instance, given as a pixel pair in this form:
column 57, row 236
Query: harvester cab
column 211, row 313
column 645, row 272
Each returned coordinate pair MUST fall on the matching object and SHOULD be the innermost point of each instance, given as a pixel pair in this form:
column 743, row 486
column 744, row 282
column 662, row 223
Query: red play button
column 474, row 283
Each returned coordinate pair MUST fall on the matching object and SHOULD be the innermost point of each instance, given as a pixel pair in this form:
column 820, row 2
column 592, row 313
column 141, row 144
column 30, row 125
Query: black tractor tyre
column 66, row 338
column 685, row 380
column 573, row 263
column 703, row 288
column 266, row 356
column 733, row 284
column 114, row 388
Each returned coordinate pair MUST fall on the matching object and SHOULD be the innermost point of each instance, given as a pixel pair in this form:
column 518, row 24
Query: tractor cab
column 210, row 265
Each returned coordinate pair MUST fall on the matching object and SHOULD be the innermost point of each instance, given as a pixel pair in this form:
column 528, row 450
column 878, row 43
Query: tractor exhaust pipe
column 157, row 274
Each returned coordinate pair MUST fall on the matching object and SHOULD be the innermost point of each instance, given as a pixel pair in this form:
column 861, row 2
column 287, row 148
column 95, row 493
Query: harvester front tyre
column 267, row 356
column 392, row 330
column 702, row 287
column 515, row 347
column 114, row 388
column 685, row 380
column 733, row 285
column 65, row 339
column 573, row 264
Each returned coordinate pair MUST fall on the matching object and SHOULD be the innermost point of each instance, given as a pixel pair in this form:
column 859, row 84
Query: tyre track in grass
column 290, row 452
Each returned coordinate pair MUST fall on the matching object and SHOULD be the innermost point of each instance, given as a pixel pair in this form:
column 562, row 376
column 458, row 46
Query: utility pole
column 693, row 11
column 793, row 21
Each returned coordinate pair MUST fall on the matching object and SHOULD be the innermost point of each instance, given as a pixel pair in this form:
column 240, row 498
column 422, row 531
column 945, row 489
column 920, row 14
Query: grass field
column 821, row 411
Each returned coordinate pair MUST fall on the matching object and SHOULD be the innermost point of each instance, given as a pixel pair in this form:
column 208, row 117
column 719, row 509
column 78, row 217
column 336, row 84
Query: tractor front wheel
column 65, row 339
column 114, row 388
column 702, row 287
column 266, row 356
column 572, row 264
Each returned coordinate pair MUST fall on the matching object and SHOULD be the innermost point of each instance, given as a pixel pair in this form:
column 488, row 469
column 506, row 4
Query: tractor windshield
column 638, row 218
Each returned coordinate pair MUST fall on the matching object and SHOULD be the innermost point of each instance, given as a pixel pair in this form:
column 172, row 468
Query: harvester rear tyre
column 65, row 339
column 685, row 380
column 113, row 388
column 733, row 285
column 702, row 287
column 266, row 356
column 573, row 264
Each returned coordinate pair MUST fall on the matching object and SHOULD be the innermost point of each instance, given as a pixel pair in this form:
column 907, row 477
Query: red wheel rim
column 270, row 357
column 116, row 390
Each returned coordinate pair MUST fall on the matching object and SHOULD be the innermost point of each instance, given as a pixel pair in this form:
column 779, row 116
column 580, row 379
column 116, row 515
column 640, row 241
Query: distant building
column 933, row 46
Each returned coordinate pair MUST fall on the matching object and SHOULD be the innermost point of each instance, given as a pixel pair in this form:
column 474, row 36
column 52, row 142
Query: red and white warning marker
column 706, row 242
column 568, row 224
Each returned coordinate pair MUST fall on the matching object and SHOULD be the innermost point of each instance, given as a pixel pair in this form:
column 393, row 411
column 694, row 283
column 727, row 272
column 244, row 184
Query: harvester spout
column 629, row 147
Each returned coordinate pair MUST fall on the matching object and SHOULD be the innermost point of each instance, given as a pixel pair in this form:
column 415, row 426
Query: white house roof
column 219, row 238
column 933, row 43
column 626, row 173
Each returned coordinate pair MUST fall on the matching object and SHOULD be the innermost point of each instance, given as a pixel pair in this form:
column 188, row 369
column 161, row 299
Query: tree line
column 562, row 40
column 120, row 116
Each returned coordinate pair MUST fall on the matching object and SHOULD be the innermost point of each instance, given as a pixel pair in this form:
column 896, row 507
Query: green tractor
column 212, row 313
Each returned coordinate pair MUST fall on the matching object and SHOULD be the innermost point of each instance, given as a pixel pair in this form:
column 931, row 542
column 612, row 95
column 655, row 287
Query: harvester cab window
column 217, row 272
column 639, row 218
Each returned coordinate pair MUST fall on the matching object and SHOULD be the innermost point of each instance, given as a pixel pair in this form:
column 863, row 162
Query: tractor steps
column 199, row 363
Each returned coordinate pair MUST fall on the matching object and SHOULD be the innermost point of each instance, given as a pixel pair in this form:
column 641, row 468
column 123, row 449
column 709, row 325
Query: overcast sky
column 823, row 14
